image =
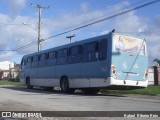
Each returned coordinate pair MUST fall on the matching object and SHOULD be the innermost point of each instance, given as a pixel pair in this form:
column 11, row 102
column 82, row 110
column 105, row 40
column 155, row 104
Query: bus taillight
column 146, row 74
column 114, row 74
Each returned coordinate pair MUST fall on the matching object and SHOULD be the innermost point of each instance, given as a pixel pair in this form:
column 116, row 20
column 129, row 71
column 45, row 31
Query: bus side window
column 90, row 51
column 75, row 54
column 43, row 59
column 35, row 61
column 103, row 49
column 29, row 61
column 23, row 63
column 51, row 58
column 62, row 56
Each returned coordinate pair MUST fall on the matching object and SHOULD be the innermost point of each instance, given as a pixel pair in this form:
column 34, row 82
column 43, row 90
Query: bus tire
column 29, row 86
column 64, row 85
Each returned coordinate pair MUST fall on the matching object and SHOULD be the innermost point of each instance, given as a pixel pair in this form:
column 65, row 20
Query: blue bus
column 112, row 59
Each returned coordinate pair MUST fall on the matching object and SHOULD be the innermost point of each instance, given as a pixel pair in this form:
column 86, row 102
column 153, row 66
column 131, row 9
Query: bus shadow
column 41, row 91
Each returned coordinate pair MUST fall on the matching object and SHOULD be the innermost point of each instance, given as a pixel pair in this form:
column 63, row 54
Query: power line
column 88, row 12
column 101, row 4
column 113, row 12
column 11, row 24
column 95, row 22
column 39, row 25
column 104, row 19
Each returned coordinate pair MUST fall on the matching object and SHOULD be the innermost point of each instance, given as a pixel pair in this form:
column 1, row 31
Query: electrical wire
column 104, row 19
column 89, row 24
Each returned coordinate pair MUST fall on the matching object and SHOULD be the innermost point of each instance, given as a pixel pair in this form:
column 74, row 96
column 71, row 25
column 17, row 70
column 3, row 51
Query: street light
column 39, row 40
column 70, row 37
column 29, row 26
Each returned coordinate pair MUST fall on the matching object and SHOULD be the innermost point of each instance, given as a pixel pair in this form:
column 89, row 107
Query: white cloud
column 18, row 35
column 15, row 6
column 129, row 23
column 14, row 36
column 5, row 56
column 84, row 7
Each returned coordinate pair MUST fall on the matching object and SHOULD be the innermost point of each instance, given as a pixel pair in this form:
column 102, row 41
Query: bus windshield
column 129, row 44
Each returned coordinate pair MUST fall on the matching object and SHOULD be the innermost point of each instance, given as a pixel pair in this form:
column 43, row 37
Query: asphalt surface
column 23, row 99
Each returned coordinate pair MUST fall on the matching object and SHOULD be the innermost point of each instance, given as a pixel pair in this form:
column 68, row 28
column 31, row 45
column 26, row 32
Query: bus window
column 75, row 54
column 35, row 61
column 23, row 63
column 65, row 53
column 60, row 53
column 43, row 58
column 52, row 55
column 103, row 49
column 90, row 51
column 62, row 56
column 129, row 44
column 29, row 61
column 35, row 58
column 51, row 58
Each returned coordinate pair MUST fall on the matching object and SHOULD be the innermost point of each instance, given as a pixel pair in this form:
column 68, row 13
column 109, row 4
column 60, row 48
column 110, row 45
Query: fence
column 154, row 76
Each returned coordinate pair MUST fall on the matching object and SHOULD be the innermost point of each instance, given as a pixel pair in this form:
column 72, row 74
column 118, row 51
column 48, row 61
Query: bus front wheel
column 29, row 86
column 64, row 85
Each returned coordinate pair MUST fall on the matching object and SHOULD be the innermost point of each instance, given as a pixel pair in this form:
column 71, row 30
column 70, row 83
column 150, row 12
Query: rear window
column 129, row 44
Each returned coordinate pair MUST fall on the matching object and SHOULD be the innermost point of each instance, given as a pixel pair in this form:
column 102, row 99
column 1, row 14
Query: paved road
column 22, row 99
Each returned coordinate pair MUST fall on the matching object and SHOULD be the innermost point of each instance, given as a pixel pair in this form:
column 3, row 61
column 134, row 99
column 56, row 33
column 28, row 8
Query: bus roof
column 72, row 44
column 84, row 41
column 130, row 35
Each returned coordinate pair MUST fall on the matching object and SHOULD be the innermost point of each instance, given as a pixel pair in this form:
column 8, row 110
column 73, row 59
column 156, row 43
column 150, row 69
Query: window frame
column 62, row 53
column 79, row 50
column 29, row 59
column 90, row 49
column 54, row 56
column 106, row 48
column 35, row 58
column 44, row 57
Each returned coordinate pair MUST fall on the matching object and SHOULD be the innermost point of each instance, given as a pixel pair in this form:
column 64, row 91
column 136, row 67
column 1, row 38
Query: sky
column 19, row 23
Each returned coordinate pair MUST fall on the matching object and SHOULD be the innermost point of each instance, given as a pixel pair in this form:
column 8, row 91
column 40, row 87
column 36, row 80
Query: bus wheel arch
column 28, row 83
column 64, row 85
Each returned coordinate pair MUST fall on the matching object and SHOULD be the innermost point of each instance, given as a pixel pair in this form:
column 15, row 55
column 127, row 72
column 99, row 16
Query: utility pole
column 70, row 37
column 39, row 24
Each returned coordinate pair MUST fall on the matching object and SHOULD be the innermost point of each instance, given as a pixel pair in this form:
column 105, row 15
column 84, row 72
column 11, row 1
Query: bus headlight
column 114, row 74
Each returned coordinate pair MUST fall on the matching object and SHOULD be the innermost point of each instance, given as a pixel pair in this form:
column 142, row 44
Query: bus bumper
column 134, row 83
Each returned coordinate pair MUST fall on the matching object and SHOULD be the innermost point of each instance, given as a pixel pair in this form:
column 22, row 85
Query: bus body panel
column 130, row 61
column 130, row 67
column 94, row 70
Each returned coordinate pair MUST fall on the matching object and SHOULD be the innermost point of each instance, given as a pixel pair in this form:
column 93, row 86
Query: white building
column 6, row 65
column 8, row 69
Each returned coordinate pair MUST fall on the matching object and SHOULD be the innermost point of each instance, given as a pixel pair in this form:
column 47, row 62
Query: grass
column 150, row 90
column 6, row 82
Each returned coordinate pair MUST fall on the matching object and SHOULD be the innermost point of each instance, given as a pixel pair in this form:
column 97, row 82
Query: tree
column 1, row 74
column 158, row 61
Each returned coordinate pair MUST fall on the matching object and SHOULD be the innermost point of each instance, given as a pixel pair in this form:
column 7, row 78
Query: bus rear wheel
column 29, row 86
column 64, row 85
